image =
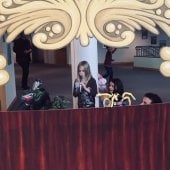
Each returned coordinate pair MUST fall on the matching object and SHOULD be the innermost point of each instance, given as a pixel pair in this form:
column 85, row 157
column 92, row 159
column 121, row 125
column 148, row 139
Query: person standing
column 108, row 63
column 22, row 49
column 85, row 86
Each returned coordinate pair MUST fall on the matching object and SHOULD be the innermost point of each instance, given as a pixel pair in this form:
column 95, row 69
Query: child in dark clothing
column 116, row 87
column 108, row 63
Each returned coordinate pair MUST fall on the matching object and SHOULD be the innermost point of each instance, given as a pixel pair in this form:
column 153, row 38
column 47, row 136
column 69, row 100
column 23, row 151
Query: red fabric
column 119, row 138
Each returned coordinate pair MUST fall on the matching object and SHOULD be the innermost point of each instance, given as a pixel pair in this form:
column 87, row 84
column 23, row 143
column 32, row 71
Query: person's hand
column 27, row 51
column 77, row 83
column 112, row 61
column 83, row 85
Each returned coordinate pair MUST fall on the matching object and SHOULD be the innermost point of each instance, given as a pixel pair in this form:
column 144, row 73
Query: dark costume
column 108, row 64
column 85, row 99
column 22, row 49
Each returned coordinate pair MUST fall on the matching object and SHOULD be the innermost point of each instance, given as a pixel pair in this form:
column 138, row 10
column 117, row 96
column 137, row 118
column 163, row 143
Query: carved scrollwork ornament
column 165, row 66
column 4, row 75
column 55, row 23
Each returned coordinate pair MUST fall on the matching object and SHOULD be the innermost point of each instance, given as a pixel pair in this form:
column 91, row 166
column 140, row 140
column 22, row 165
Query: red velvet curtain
column 119, row 138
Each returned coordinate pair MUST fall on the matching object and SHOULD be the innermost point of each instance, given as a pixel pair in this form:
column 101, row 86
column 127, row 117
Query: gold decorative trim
column 110, row 100
column 55, row 23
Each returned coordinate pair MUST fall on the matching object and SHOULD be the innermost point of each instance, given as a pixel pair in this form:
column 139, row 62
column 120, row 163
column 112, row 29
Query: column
column 80, row 53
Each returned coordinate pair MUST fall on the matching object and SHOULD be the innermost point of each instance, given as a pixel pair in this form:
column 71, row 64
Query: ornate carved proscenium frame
column 55, row 23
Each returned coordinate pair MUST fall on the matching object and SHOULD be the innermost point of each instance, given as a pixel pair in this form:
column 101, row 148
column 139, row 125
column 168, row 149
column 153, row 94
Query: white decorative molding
column 165, row 66
column 4, row 75
column 55, row 23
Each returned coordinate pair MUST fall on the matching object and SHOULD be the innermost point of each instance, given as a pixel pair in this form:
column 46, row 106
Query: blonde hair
column 86, row 67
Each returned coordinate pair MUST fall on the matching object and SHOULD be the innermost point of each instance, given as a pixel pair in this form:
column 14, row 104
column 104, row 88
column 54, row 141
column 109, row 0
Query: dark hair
column 153, row 97
column 118, row 85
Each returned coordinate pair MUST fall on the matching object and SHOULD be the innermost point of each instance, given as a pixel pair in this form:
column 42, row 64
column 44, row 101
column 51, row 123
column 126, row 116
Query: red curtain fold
column 119, row 138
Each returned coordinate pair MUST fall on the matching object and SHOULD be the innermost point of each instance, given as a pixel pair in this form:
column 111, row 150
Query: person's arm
column 15, row 47
column 28, row 51
column 83, row 85
column 76, row 88
column 113, row 50
column 27, row 47
column 92, row 86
